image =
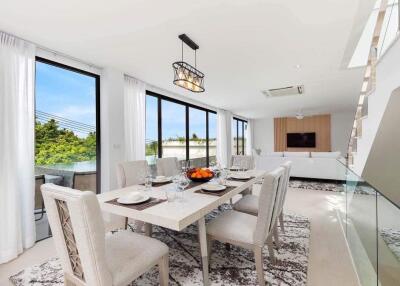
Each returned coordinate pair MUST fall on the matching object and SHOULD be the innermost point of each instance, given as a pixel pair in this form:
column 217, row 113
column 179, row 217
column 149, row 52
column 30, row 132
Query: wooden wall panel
column 320, row 124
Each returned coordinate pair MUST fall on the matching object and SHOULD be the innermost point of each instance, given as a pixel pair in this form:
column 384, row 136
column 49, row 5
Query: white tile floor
column 329, row 262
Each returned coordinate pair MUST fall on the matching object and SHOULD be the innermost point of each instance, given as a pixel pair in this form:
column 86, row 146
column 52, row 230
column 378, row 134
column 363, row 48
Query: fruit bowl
column 200, row 174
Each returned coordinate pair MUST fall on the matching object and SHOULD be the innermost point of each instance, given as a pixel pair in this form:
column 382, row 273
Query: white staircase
column 374, row 106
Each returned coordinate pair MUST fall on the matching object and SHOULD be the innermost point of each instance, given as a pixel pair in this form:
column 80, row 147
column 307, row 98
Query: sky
column 64, row 93
column 173, row 120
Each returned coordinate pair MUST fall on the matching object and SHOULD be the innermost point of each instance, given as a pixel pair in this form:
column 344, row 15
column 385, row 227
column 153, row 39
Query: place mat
column 139, row 207
column 160, row 184
column 218, row 194
column 240, row 180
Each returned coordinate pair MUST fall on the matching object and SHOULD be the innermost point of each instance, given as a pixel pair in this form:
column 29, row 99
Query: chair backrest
column 243, row 161
column 288, row 167
column 131, row 173
column 78, row 231
column 267, row 204
column 167, row 166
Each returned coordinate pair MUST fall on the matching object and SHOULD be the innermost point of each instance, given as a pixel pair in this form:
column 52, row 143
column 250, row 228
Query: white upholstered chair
column 168, row 166
column 250, row 204
column 131, row 173
column 243, row 161
column 246, row 230
column 89, row 256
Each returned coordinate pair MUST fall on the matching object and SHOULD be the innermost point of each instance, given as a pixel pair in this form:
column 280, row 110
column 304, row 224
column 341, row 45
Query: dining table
column 178, row 214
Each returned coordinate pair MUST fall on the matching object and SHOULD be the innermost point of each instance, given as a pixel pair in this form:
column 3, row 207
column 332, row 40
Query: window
column 239, row 128
column 173, row 130
column 151, row 129
column 178, row 129
column 67, row 131
column 212, row 133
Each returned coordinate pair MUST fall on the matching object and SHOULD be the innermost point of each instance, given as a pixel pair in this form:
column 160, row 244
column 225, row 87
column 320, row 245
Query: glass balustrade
column 372, row 228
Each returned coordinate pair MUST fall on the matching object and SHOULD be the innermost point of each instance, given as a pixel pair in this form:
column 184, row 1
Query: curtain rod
column 55, row 53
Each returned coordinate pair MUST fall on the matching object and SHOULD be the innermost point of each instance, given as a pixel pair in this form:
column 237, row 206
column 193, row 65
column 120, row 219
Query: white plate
column 213, row 187
column 162, row 180
column 234, row 168
column 240, row 176
column 128, row 200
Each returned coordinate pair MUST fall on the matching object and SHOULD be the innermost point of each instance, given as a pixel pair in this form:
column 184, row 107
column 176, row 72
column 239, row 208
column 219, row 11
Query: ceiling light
column 185, row 75
column 298, row 66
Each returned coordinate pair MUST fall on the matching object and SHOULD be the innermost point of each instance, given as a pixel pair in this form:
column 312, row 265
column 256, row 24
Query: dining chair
column 243, row 161
column 168, row 166
column 250, row 204
column 87, row 254
column 249, row 231
column 133, row 173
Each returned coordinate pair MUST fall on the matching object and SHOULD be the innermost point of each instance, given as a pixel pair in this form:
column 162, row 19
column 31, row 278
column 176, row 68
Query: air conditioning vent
column 284, row 91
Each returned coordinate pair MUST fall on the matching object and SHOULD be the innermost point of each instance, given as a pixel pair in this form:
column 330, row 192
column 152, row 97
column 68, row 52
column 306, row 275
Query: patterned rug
column 392, row 239
column 228, row 267
column 328, row 186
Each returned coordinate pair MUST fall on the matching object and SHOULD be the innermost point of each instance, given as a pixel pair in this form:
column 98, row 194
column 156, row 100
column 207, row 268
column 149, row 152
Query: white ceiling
column 245, row 46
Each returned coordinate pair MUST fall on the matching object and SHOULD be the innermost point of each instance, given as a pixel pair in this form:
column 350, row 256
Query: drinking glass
column 183, row 182
column 222, row 177
column 148, row 182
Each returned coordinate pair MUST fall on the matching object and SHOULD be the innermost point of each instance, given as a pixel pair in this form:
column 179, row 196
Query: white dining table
column 177, row 215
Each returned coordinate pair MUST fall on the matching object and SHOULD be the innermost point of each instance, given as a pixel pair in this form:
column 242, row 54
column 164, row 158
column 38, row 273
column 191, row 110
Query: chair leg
column 271, row 249
column 258, row 257
column 164, row 270
column 276, row 237
column 126, row 222
column 281, row 222
column 148, row 229
column 209, row 246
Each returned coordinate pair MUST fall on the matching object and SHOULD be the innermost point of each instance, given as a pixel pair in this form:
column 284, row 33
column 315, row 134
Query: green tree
column 55, row 145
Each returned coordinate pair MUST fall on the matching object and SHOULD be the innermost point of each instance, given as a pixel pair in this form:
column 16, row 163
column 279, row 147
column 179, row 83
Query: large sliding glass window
column 173, row 130
column 239, row 129
column 178, row 129
column 67, row 133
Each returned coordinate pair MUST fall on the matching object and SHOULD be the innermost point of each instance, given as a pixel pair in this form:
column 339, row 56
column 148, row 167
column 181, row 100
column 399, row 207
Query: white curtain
column 249, row 137
column 17, row 121
column 134, row 119
column 224, row 137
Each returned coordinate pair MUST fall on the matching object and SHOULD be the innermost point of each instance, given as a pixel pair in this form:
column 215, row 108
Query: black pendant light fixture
column 185, row 75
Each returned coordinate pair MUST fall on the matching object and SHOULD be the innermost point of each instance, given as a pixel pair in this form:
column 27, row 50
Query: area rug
column 227, row 267
column 392, row 239
column 329, row 186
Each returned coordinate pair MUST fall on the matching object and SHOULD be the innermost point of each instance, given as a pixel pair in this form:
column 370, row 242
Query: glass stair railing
column 371, row 224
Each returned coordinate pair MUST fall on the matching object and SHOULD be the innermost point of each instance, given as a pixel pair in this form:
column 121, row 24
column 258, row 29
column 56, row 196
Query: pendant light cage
column 185, row 75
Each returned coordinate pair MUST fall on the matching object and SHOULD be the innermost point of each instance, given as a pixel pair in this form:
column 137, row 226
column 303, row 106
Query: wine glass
column 183, row 183
column 148, row 181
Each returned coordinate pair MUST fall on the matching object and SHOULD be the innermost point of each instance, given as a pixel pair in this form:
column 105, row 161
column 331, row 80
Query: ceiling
column 245, row 46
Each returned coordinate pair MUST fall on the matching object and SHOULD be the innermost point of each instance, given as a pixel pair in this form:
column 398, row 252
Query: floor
column 329, row 262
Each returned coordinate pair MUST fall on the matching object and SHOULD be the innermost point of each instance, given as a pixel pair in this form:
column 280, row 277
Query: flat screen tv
column 300, row 140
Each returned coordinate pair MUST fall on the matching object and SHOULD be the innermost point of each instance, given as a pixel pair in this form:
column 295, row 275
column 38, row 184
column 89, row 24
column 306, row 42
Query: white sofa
column 313, row 165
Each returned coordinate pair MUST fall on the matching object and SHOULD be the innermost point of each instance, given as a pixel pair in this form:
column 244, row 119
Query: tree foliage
column 56, row 145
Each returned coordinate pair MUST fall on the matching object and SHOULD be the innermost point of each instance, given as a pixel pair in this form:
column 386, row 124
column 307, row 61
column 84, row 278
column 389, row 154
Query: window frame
column 241, row 121
column 187, row 105
column 97, row 93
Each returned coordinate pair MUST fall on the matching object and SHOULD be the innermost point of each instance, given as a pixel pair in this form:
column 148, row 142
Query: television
column 300, row 140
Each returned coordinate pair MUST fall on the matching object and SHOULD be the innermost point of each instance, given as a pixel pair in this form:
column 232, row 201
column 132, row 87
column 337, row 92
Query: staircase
column 380, row 79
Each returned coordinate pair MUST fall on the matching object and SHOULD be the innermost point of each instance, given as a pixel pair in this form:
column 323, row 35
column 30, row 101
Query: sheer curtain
column 134, row 119
column 17, row 121
column 224, row 137
column 249, row 137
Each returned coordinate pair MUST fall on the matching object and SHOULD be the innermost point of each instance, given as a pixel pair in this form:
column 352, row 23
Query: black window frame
column 187, row 105
column 242, row 122
column 98, row 126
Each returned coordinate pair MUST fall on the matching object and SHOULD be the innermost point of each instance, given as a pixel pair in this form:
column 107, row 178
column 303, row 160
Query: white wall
column 341, row 125
column 263, row 133
column 112, row 126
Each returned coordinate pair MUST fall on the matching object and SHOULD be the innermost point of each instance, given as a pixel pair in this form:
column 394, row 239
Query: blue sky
column 173, row 123
column 66, row 94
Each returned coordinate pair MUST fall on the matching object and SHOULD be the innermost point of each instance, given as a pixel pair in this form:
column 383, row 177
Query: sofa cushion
column 334, row 155
column 273, row 154
column 297, row 154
